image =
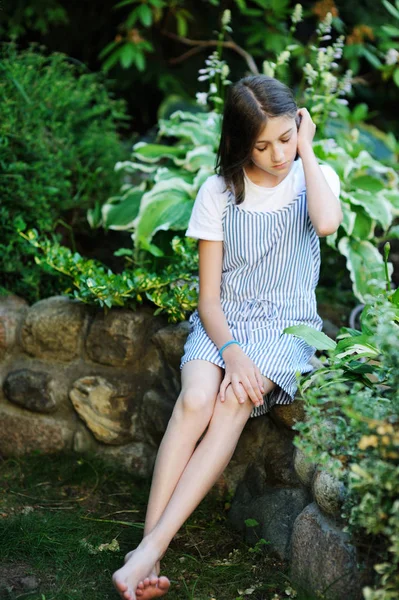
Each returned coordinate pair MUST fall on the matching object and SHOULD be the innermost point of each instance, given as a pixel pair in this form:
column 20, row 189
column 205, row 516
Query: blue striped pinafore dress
column 271, row 264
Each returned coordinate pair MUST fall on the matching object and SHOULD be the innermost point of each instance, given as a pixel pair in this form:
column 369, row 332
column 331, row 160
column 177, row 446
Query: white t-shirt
column 206, row 217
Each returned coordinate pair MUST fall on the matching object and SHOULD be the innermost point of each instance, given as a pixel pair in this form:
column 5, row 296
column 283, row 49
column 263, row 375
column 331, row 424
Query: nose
column 278, row 155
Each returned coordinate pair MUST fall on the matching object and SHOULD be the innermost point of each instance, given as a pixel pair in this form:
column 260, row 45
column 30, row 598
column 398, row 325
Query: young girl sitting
column 258, row 221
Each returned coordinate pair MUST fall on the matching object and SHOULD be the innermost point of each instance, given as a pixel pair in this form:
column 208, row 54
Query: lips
column 278, row 166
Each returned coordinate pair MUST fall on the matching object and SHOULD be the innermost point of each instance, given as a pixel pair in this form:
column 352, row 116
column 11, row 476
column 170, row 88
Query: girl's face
column 275, row 150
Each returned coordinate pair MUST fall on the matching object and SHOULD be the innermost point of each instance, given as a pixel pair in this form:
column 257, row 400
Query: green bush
column 58, row 147
column 351, row 430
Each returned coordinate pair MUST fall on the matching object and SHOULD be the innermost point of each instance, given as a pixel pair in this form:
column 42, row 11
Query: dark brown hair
column 250, row 102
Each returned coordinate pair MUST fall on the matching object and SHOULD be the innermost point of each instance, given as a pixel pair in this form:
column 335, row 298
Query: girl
column 258, row 221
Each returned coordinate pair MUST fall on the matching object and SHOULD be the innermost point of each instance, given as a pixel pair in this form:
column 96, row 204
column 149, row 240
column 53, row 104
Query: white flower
column 297, row 14
column 391, row 57
column 213, row 88
column 226, row 17
column 225, row 70
column 268, row 68
column 283, row 57
column 310, row 73
column 330, row 81
column 202, row 97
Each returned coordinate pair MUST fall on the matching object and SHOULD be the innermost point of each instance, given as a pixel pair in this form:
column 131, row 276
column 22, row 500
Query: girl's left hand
column 306, row 131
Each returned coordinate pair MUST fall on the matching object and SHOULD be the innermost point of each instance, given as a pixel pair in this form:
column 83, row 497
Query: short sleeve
column 332, row 179
column 206, row 217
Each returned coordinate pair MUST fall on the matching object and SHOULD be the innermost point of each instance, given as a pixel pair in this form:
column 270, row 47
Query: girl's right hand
column 241, row 370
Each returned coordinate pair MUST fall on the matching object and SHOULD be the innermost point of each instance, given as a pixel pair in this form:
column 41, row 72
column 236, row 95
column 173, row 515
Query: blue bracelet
column 228, row 344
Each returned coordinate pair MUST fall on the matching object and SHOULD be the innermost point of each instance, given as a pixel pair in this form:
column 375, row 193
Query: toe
column 163, row 582
column 154, row 580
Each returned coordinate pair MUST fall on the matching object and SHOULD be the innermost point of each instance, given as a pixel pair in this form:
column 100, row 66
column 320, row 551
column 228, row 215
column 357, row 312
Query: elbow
column 329, row 228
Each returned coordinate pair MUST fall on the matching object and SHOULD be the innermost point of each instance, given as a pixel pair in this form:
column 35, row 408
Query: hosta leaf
column 199, row 157
column 392, row 196
column 349, row 215
column 364, row 226
column 167, row 213
column 132, row 167
column 121, row 215
column 312, row 336
column 374, row 204
column 155, row 152
column 365, row 265
column 368, row 183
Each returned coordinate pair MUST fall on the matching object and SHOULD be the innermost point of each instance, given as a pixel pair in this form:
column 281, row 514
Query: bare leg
column 203, row 469
column 191, row 415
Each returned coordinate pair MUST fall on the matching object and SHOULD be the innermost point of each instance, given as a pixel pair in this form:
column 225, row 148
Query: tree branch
column 199, row 44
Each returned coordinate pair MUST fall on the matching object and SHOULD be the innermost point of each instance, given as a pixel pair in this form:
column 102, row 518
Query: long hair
column 250, row 102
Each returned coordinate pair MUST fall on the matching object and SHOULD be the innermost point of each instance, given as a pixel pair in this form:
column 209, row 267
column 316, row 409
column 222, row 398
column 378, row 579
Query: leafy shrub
column 351, row 430
column 58, row 145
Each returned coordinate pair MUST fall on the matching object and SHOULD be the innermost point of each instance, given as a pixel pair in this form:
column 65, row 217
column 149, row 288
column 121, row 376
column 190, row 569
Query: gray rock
column 323, row 561
column 303, row 467
column 328, row 492
column 154, row 414
column 21, row 434
column 12, row 311
column 105, row 407
column 120, row 337
column 275, row 511
column 30, row 389
column 171, row 340
column 288, row 414
column 53, row 329
column 137, row 458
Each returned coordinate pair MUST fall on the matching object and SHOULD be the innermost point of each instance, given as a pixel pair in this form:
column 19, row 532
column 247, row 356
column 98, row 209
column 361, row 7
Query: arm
column 239, row 367
column 324, row 207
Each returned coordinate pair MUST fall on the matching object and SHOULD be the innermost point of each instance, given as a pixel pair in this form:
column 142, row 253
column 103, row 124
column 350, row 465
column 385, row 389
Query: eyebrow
column 267, row 141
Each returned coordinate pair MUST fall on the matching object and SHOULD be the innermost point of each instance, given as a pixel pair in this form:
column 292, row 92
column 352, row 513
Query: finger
column 237, row 389
column 259, row 379
column 255, row 385
column 222, row 390
column 250, row 391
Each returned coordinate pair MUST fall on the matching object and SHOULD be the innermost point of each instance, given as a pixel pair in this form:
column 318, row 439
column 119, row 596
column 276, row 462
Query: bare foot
column 152, row 586
column 135, row 569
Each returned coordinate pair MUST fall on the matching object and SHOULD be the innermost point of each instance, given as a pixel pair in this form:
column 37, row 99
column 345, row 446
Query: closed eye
column 263, row 149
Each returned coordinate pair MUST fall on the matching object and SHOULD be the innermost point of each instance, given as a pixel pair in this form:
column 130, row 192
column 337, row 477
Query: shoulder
column 214, row 184
column 206, row 217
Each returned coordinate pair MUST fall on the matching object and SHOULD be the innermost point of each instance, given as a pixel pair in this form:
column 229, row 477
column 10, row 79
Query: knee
column 233, row 405
column 194, row 401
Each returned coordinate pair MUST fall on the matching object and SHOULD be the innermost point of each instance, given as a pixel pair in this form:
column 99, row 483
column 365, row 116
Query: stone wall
column 74, row 377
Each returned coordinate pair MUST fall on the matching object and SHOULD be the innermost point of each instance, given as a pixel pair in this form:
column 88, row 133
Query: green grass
column 55, row 512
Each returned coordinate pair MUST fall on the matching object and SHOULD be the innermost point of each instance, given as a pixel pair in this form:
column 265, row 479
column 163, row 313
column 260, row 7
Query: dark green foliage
column 58, row 147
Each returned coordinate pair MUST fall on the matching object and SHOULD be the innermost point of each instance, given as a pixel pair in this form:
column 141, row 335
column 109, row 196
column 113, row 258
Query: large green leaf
column 360, row 345
column 392, row 196
column 167, row 206
column 203, row 156
column 133, row 167
column 374, row 204
column 155, row 152
column 121, row 215
column 163, row 214
column 348, row 221
column 368, row 183
column 365, row 265
column 364, row 226
column 312, row 336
